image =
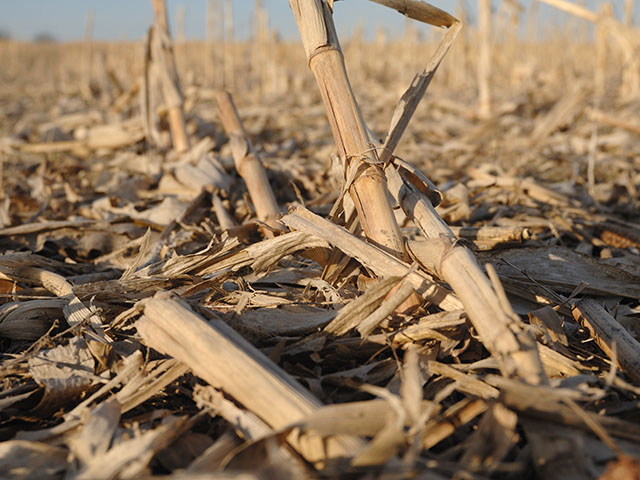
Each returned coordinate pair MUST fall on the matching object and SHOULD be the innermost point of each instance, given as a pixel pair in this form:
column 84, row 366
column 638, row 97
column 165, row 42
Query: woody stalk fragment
column 248, row 163
column 370, row 177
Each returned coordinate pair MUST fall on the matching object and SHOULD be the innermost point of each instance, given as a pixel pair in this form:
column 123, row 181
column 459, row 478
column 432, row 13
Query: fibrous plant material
column 248, row 162
column 240, row 371
column 489, row 310
column 409, row 101
column 444, row 257
column 612, row 337
column 375, row 258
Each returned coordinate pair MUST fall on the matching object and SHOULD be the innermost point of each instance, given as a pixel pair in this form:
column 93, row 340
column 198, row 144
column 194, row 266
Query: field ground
column 151, row 326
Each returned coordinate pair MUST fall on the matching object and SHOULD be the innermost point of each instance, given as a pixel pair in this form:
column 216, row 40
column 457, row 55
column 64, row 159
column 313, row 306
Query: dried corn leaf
column 33, row 460
column 562, row 269
column 29, row 320
column 65, row 371
column 421, row 11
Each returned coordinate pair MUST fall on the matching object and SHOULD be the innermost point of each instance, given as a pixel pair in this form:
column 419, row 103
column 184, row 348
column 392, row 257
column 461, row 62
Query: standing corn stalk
column 162, row 54
column 484, row 59
column 628, row 12
column 228, row 36
column 365, row 176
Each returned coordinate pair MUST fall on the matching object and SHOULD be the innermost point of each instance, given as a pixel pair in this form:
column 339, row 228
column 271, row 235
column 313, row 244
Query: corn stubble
column 164, row 317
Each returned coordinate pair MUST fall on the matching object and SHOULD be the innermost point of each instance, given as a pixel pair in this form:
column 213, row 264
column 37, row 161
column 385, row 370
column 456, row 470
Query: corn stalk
column 490, row 313
column 365, row 177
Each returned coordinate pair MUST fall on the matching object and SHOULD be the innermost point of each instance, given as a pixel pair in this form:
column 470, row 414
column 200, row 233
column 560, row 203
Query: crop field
column 375, row 256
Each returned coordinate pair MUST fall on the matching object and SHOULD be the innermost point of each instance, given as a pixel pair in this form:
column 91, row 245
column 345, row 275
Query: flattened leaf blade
column 64, row 371
column 421, row 11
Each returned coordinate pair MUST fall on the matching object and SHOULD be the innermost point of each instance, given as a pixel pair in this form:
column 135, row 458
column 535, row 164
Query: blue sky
column 128, row 19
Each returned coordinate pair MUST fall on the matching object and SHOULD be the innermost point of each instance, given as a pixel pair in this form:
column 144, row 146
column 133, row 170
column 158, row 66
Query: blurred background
column 65, row 20
column 514, row 59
